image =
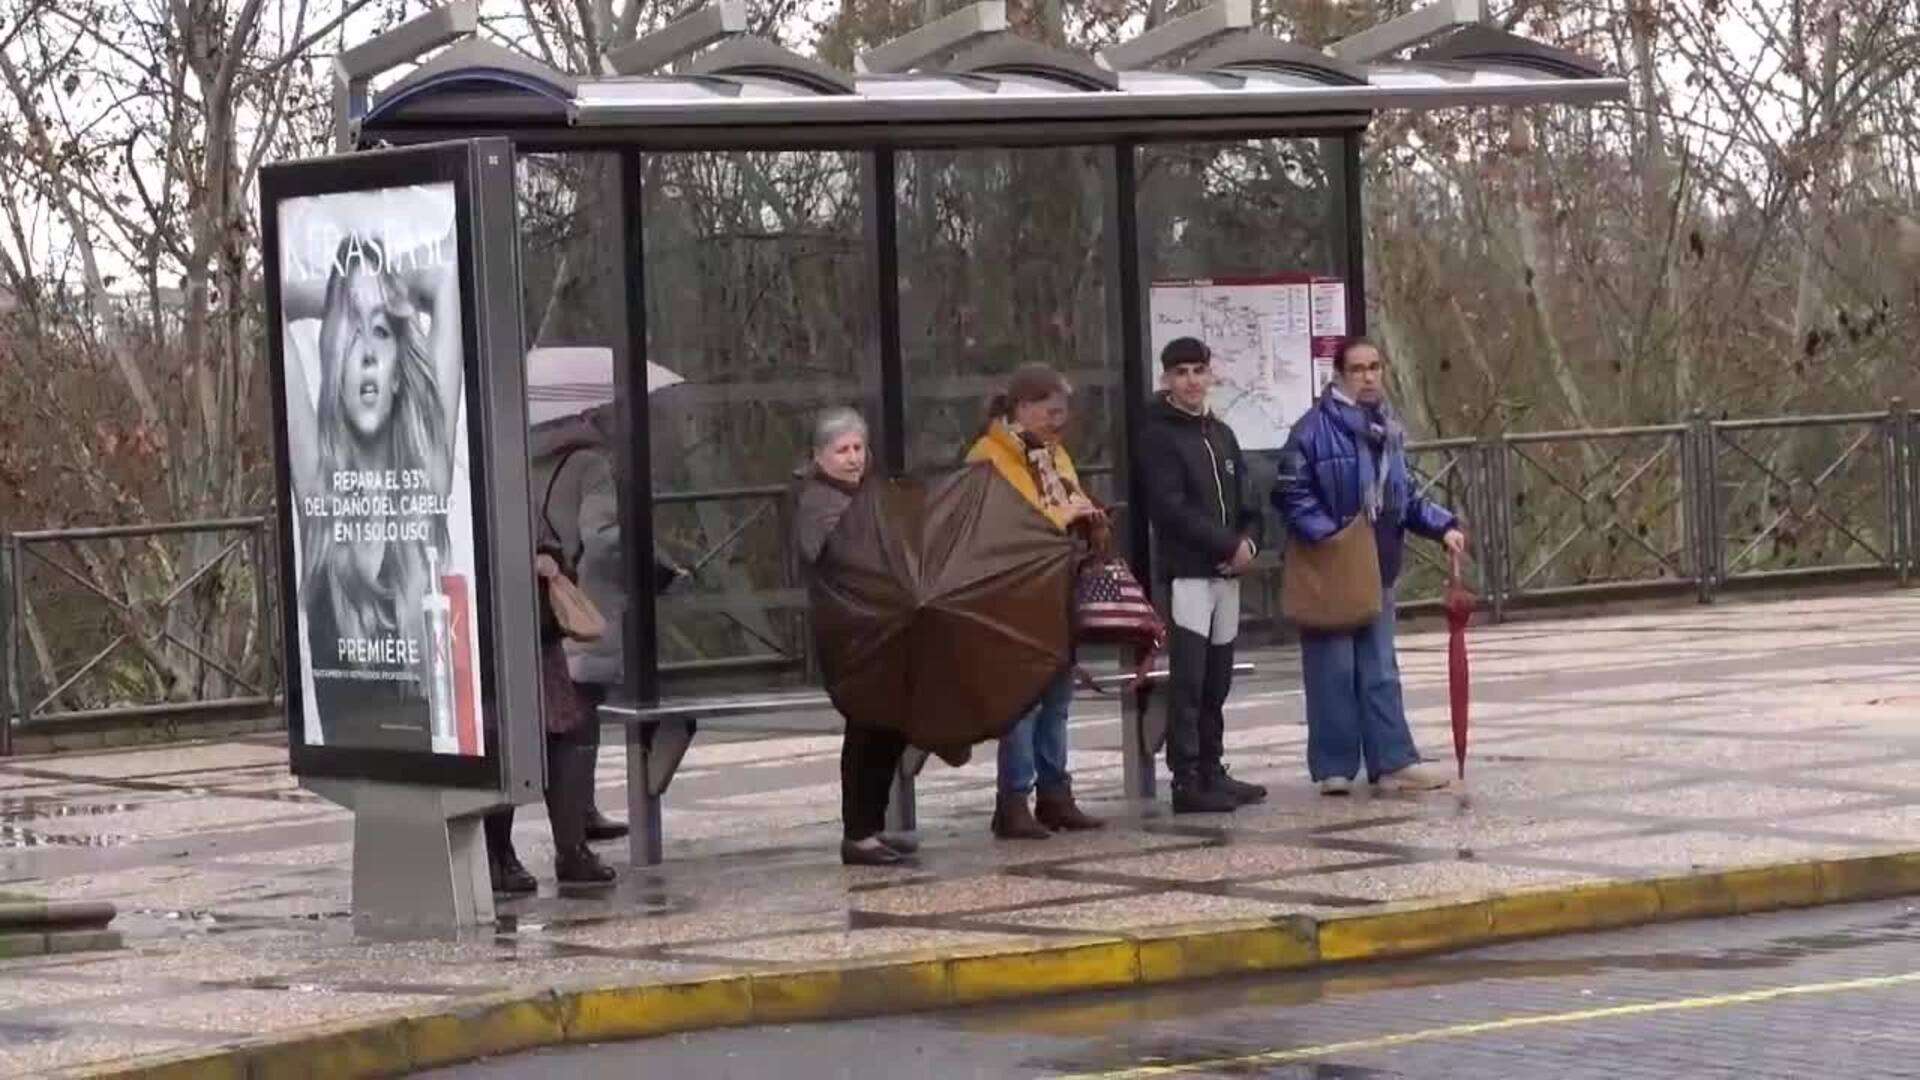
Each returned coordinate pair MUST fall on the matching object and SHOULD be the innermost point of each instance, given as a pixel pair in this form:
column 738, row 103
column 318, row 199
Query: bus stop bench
column 658, row 737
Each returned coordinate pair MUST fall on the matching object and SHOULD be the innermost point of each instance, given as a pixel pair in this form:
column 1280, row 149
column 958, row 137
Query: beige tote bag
column 1333, row 585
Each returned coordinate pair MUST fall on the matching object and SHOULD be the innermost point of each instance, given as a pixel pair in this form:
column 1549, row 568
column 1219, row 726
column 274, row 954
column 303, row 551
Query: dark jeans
column 1035, row 751
column 571, row 757
column 869, row 760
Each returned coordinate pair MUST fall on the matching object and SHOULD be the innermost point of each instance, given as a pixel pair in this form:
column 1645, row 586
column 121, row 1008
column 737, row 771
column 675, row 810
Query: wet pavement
column 1608, row 748
column 1795, row 995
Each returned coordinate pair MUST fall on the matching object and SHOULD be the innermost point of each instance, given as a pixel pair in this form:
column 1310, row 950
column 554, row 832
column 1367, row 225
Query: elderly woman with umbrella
column 1343, row 475
column 869, row 756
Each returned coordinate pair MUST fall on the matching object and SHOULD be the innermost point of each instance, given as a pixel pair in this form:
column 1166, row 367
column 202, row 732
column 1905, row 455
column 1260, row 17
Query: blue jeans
column 1354, row 707
column 1036, row 748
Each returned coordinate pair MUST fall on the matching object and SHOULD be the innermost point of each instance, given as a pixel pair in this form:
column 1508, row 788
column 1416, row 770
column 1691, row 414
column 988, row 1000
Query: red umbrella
column 1460, row 603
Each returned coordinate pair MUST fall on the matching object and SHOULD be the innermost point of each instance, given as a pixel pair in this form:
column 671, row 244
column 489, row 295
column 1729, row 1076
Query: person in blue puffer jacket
column 1346, row 457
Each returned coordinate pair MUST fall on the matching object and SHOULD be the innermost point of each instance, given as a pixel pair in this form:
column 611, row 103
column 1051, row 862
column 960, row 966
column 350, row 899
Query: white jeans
column 1209, row 607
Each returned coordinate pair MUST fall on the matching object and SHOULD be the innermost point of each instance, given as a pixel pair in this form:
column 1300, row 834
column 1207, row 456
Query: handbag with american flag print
column 1110, row 608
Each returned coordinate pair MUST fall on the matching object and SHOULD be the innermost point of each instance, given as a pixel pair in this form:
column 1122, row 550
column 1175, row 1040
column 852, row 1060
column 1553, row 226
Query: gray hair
column 834, row 423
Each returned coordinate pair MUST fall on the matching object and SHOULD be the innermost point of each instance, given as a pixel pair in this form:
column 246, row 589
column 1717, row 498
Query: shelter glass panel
column 754, row 272
column 1002, row 264
column 1262, row 220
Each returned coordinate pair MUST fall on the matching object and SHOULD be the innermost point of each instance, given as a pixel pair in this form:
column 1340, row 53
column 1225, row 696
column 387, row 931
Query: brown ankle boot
column 1056, row 810
column 1013, row 821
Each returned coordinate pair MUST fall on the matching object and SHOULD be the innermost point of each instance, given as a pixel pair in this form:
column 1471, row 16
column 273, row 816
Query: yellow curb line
column 399, row 1042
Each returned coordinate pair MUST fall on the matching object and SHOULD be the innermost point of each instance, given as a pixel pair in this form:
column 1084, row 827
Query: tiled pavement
column 1616, row 747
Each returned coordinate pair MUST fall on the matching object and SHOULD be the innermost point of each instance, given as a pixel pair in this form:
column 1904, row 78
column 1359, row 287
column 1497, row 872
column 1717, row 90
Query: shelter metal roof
column 747, row 92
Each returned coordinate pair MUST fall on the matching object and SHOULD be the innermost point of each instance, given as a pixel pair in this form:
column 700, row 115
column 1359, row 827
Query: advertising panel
column 389, row 583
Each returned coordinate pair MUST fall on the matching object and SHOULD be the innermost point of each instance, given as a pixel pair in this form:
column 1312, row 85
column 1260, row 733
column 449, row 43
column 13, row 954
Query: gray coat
column 817, row 511
column 582, row 516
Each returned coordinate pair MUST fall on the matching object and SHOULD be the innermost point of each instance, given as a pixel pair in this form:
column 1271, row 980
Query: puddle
column 31, row 807
column 14, row 837
column 14, row 1034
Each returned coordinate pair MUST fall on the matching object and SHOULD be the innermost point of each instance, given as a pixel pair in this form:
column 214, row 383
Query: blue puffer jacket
column 1318, row 491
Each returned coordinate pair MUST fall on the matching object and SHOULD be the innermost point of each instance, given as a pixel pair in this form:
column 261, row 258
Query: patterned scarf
column 1381, row 437
column 1047, row 479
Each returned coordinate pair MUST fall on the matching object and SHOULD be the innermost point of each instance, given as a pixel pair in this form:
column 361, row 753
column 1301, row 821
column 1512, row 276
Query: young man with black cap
column 1193, row 473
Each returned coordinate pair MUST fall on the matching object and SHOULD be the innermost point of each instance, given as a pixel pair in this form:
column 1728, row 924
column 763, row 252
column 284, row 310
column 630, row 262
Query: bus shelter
column 777, row 234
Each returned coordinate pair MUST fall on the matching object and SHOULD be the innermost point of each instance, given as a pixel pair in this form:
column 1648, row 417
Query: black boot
column 504, row 871
column 510, row 878
column 600, row 827
column 581, row 866
column 1191, row 795
column 1242, row 792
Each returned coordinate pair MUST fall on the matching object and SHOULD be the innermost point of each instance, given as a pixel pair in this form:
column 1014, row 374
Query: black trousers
column 869, row 760
column 571, row 757
column 1201, row 677
column 595, row 695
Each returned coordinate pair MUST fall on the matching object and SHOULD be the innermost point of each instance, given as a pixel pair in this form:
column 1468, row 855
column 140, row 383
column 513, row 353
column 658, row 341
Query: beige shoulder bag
column 1334, row 585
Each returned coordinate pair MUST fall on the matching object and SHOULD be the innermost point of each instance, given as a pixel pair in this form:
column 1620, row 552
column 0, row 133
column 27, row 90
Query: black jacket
column 1194, row 476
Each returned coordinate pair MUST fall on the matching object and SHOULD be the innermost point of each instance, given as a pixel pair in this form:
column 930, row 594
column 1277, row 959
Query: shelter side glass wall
column 568, row 264
column 1241, row 209
column 754, row 274
column 1001, row 264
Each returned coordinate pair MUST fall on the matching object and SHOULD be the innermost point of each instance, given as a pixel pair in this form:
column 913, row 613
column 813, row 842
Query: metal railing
column 1703, row 506
column 1564, row 516
column 141, row 621
column 156, row 621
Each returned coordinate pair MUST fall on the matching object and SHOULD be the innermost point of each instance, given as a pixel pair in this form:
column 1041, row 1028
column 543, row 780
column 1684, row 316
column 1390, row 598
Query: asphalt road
column 1828, row 992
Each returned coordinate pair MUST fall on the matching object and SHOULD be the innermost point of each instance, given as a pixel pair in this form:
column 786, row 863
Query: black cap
column 1184, row 350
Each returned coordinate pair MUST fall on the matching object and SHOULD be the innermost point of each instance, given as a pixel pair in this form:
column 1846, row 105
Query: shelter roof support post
column 953, row 31
column 681, row 38
column 354, row 68
column 1347, row 224
column 10, row 669
column 634, row 464
column 349, row 105
column 885, row 401
column 626, row 295
column 1419, row 25
column 1127, row 333
column 1188, row 32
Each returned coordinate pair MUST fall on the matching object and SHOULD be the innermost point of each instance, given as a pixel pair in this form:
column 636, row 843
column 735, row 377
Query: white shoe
column 1414, row 778
column 1336, row 785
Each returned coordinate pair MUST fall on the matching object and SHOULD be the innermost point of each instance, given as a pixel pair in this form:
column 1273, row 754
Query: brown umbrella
column 941, row 608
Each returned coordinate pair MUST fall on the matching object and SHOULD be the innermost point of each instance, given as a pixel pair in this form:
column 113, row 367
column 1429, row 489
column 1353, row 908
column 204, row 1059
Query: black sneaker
column 1246, row 793
column 1194, row 799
